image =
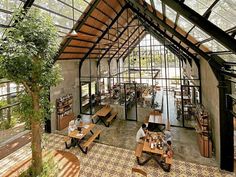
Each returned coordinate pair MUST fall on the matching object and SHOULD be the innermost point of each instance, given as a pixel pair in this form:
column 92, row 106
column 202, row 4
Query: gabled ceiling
column 110, row 29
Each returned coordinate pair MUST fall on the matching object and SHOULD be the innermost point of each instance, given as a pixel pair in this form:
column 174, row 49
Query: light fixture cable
column 73, row 33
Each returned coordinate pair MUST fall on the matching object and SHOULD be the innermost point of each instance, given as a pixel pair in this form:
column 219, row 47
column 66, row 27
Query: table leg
column 145, row 161
column 84, row 151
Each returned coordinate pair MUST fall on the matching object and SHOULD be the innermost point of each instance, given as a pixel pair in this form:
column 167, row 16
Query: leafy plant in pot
column 27, row 57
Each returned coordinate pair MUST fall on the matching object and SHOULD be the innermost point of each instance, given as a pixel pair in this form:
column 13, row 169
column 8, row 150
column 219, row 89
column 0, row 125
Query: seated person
column 141, row 134
column 169, row 150
column 71, row 128
column 78, row 120
column 167, row 136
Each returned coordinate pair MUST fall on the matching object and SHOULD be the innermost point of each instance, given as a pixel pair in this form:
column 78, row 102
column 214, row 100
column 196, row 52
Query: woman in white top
column 141, row 133
column 71, row 126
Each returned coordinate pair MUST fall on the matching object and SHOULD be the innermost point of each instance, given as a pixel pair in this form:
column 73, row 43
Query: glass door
column 90, row 98
column 130, row 101
column 85, row 98
column 190, row 96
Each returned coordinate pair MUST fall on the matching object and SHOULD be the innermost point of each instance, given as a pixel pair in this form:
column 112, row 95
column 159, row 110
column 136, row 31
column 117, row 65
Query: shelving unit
column 204, row 131
column 64, row 111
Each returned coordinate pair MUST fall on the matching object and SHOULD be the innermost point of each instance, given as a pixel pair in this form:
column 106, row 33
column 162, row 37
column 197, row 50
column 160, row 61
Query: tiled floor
column 122, row 134
column 103, row 160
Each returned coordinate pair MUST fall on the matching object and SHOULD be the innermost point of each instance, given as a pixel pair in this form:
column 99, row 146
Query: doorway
column 88, row 101
column 130, row 101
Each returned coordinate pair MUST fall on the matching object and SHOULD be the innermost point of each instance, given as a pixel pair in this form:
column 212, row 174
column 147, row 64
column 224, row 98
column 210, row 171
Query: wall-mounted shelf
column 64, row 111
column 204, row 132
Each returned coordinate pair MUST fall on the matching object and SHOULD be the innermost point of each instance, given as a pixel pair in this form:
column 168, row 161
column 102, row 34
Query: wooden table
column 154, row 153
column 80, row 135
column 104, row 111
column 102, row 114
column 68, row 165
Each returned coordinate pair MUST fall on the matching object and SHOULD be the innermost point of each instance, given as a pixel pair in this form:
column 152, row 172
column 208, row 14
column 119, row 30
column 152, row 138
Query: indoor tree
column 27, row 58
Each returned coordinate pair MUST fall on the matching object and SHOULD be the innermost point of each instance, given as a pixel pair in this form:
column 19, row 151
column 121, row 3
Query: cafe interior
column 168, row 64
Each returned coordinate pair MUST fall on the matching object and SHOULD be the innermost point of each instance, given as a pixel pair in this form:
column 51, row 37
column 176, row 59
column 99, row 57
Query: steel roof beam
column 204, row 24
column 216, row 62
column 103, row 34
column 122, row 46
column 117, row 38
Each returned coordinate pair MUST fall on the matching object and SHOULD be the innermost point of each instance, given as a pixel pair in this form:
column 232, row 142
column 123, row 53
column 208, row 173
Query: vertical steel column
column 167, row 102
column 139, row 53
column 128, row 46
column 226, row 127
column 151, row 67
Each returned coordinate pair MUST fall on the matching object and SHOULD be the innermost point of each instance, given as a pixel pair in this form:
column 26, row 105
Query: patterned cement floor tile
column 108, row 161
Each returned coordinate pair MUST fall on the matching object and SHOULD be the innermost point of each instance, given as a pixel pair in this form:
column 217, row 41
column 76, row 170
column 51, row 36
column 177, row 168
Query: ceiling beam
column 108, row 49
column 215, row 61
column 204, row 24
column 103, row 34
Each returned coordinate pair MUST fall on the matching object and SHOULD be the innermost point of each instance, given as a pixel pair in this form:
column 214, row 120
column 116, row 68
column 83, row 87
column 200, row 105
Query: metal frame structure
column 108, row 31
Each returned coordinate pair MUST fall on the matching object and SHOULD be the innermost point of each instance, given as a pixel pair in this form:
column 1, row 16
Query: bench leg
column 84, row 151
column 107, row 125
column 164, row 166
column 98, row 137
column 67, row 146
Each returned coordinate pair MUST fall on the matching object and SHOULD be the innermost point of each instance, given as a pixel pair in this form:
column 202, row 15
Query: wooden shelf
column 64, row 111
column 204, row 133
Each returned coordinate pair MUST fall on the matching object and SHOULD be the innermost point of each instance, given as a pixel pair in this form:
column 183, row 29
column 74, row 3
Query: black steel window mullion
column 128, row 46
column 117, row 37
column 167, row 101
column 151, row 61
column 132, row 43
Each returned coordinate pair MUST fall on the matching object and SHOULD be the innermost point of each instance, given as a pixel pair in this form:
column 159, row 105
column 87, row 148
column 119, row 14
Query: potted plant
column 27, row 58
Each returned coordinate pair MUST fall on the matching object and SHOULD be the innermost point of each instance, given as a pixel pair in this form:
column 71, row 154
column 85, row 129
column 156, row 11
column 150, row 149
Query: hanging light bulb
column 73, row 33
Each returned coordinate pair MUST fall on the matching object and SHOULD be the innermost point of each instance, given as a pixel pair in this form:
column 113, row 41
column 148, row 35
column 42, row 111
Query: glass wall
column 151, row 76
column 10, row 122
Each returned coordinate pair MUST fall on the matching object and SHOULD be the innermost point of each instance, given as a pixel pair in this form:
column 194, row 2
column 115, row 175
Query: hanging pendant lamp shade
column 73, row 32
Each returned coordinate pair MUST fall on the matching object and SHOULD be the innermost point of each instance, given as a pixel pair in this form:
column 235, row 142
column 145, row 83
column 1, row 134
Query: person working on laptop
column 141, row 133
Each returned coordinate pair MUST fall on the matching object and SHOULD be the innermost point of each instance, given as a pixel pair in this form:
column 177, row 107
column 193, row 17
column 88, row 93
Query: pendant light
column 73, row 32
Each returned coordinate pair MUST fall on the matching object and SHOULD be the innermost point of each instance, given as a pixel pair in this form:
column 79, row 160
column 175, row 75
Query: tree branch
column 27, row 88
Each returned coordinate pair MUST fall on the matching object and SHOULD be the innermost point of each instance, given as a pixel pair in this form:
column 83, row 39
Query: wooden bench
column 139, row 149
column 113, row 115
column 68, row 163
column 169, row 160
column 66, row 139
column 91, row 139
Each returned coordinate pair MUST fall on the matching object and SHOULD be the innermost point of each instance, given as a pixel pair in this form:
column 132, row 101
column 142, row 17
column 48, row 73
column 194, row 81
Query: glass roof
column 215, row 46
column 170, row 13
column 223, row 15
column 184, row 24
column 6, row 9
column 200, row 6
column 158, row 5
column 61, row 12
column 229, row 57
column 198, row 34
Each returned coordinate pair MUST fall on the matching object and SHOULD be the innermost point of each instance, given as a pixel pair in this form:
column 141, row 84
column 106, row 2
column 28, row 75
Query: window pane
column 200, row 6
column 170, row 13
column 158, row 5
column 215, row 46
column 223, row 14
column 184, row 24
column 198, row 34
column 229, row 57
